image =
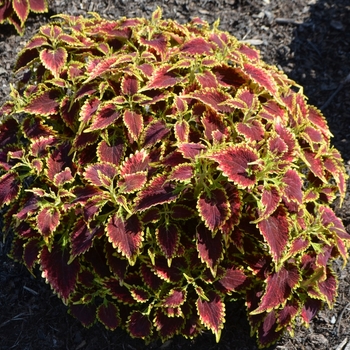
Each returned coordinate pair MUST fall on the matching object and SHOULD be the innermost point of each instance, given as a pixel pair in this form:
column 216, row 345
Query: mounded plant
column 156, row 171
column 16, row 11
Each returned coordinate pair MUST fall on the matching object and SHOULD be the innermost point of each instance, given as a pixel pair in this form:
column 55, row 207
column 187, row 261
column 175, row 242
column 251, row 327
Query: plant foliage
column 156, row 171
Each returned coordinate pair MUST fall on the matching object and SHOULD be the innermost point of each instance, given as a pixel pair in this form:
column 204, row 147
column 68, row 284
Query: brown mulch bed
column 310, row 41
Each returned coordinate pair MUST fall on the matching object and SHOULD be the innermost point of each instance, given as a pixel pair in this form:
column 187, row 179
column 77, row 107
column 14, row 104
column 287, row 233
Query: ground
column 307, row 39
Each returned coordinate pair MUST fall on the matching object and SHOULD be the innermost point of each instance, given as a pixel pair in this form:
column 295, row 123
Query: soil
column 307, row 39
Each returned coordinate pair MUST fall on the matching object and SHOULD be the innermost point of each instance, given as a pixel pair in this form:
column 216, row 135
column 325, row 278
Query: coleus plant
column 16, row 11
column 156, row 171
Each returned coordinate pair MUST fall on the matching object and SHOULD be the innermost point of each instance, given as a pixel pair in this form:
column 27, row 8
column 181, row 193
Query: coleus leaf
column 261, row 76
column 275, row 230
column 134, row 123
column 182, row 172
column 125, row 235
column 34, row 128
column 235, row 206
column 253, row 130
column 82, row 237
column 209, row 247
column 213, row 208
column 108, row 315
column 21, row 8
column 270, row 199
column 54, row 60
column 157, row 42
column 105, row 116
column 85, row 313
column 159, row 191
column 161, row 78
column 238, row 163
column 135, row 163
column 279, row 286
column 132, row 182
column 233, row 279
column 44, row 103
column 48, row 220
column 182, row 129
column 175, row 298
column 197, row 46
column 213, row 98
column 10, row 186
column 182, row 212
column 212, row 313
column 310, row 309
column 31, row 253
column 154, row 133
column 267, row 330
column 100, row 174
column 333, row 223
column 58, row 272
column 167, row 326
column 139, row 325
column 191, row 150
column 111, row 152
column 168, row 238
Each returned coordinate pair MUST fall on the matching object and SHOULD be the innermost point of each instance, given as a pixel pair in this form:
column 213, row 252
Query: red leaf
column 157, row 42
column 235, row 163
column 105, row 116
column 88, row 109
column 315, row 163
column 47, row 221
column 136, row 163
column 125, row 235
column 261, row 76
column 182, row 172
column 58, row 272
column 191, row 150
column 207, row 79
column 44, row 103
column 279, row 286
column 270, row 199
column 132, row 182
column 233, row 279
column 209, row 248
column 213, row 98
column 253, row 131
column 139, row 325
column 134, row 123
column 161, row 78
column 333, row 223
column 21, row 8
column 275, row 231
column 31, row 253
column 175, row 298
column 108, row 314
column 328, row 288
column 214, row 208
column 167, row 326
column 33, row 128
column 154, row 132
column 197, row 46
column 58, row 161
column 112, row 152
column 288, row 313
column 82, row 237
column 212, row 313
column 10, row 185
column 181, row 212
column 182, row 129
column 235, row 203
column 100, row 174
column 159, row 191
column 267, row 331
column 310, row 309
column 54, row 60
column 85, row 313
column 38, row 5
column 168, row 238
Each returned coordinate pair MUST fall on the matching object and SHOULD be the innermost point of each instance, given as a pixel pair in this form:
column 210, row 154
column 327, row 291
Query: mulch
column 307, row 39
